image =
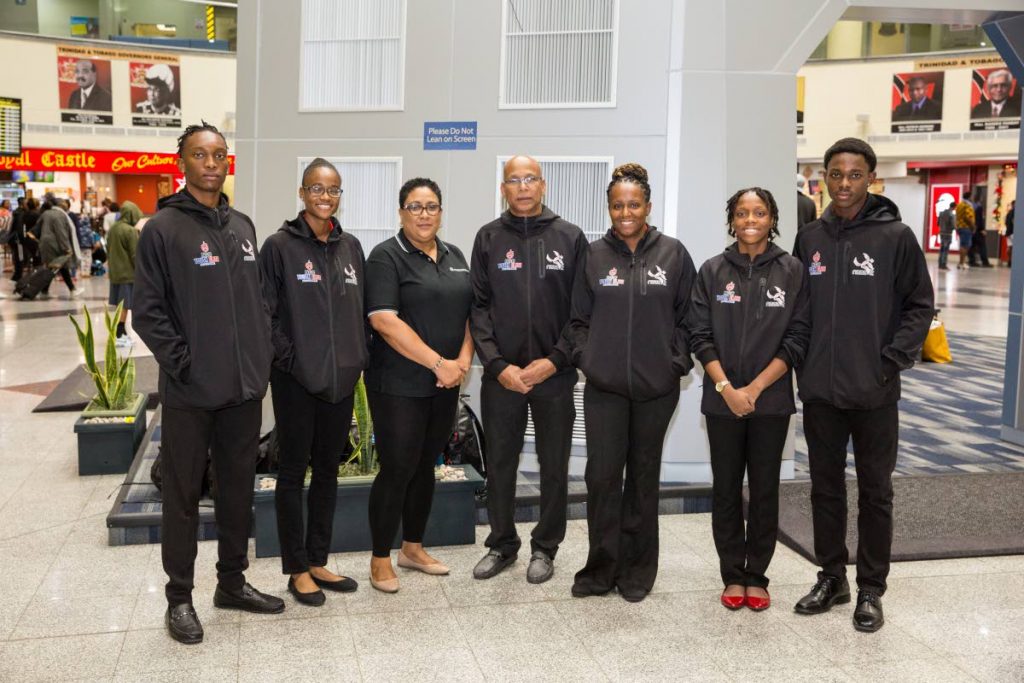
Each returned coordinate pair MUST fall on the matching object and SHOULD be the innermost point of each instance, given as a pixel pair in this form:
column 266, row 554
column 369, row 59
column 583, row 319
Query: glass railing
column 861, row 39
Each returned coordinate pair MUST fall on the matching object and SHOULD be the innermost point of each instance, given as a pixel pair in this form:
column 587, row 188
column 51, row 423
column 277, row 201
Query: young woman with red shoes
column 750, row 325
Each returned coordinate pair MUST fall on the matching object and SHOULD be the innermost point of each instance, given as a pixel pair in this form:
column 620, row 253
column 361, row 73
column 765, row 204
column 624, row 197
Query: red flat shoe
column 733, row 602
column 758, row 604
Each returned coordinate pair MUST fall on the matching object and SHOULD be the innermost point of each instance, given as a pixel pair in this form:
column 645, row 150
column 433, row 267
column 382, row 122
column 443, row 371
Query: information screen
column 10, row 127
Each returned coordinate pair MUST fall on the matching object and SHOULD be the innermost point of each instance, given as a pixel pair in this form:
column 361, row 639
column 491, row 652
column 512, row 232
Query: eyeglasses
column 317, row 190
column 525, row 182
column 417, row 209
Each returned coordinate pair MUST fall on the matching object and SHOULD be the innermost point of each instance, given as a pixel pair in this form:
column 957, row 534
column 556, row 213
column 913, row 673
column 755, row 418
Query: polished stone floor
column 74, row 608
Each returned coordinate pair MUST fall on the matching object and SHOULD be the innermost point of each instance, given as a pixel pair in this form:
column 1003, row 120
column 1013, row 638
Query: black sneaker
column 828, row 591
column 248, row 599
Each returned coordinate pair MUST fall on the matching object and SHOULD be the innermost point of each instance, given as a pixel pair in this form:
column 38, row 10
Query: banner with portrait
column 995, row 99
column 83, row 86
column 155, row 89
column 917, row 102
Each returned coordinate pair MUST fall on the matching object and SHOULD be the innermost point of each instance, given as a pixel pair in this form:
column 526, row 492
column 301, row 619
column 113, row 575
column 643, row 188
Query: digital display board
column 10, row 127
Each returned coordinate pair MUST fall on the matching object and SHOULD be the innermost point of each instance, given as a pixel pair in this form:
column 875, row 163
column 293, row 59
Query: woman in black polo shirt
column 418, row 296
column 313, row 286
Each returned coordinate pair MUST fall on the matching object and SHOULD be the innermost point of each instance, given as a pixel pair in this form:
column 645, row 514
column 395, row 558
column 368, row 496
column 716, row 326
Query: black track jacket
column 314, row 292
column 198, row 304
column 872, row 303
column 522, row 272
column 745, row 313
column 628, row 327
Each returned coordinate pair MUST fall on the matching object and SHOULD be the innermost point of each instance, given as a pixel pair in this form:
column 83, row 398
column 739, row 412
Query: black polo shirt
column 433, row 298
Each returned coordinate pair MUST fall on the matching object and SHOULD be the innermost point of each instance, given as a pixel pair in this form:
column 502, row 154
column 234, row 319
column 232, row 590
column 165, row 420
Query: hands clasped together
column 515, row 378
column 451, row 373
column 741, row 400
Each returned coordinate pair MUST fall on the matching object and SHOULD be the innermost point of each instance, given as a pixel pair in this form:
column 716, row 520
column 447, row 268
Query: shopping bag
column 936, row 346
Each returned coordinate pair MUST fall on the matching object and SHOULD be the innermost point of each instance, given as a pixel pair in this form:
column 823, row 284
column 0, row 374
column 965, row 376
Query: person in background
column 418, row 296
column 320, row 335
column 947, row 224
column 749, row 327
column 111, row 215
column 1009, row 232
column 629, row 337
column 16, row 240
column 964, row 231
column 978, row 255
column 58, row 245
column 122, row 244
column 806, row 211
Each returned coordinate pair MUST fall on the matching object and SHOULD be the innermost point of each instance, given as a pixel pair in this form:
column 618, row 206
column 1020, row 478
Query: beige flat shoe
column 435, row 569
column 385, row 586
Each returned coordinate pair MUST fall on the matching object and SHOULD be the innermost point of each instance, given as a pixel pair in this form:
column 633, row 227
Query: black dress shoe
column 314, row 599
column 248, row 599
column 580, row 590
column 868, row 615
column 828, row 591
column 632, row 594
column 342, row 585
column 183, row 624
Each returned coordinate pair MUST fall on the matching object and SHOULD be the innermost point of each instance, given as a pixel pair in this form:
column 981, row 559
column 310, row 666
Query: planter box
column 109, row 448
column 452, row 516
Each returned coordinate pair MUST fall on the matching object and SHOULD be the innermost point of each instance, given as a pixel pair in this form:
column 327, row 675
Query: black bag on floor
column 30, row 285
column 467, row 445
column 156, row 476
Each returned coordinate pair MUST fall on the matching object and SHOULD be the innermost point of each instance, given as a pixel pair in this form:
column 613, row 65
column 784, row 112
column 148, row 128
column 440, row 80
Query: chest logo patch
column 250, row 251
column 510, row 262
column 309, row 275
column 864, row 266
column 658, row 276
column 776, row 298
column 816, row 267
column 555, row 262
column 350, row 275
column 205, row 258
column 612, row 280
column 729, row 296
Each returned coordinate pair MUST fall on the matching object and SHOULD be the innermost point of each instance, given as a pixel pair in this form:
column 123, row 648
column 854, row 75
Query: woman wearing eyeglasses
column 313, row 286
column 418, row 296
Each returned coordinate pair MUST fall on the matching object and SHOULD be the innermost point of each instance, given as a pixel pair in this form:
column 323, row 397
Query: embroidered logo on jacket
column 865, row 266
column 612, row 280
column 250, row 251
column 310, row 275
column 816, row 267
column 350, row 275
column 776, row 298
column 510, row 262
column 657, row 277
column 729, row 296
column 205, row 257
column 556, row 262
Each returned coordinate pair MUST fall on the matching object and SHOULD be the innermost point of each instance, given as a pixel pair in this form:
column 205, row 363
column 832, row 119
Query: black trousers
column 312, row 432
column 18, row 258
column 231, row 435
column 504, row 417
column 65, row 274
column 754, row 446
column 410, row 433
column 622, row 521
column 875, row 437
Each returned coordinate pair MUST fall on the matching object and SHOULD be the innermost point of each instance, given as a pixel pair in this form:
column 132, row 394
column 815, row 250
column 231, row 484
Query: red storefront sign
column 38, row 159
column 943, row 196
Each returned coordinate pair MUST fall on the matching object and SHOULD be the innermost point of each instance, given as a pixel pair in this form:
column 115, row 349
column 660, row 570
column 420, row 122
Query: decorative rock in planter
column 108, row 439
column 452, row 516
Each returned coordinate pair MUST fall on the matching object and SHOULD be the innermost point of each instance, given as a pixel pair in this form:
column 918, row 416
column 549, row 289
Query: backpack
column 467, row 445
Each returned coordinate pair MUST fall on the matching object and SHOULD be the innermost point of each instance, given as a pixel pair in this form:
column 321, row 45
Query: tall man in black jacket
column 198, row 307
column 522, row 271
column 871, row 305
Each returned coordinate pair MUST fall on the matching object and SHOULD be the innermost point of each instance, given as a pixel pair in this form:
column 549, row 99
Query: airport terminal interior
column 709, row 97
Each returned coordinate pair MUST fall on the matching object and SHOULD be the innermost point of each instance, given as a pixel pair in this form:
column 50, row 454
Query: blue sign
column 449, row 135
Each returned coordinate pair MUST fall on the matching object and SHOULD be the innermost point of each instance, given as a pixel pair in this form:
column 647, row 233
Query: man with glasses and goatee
column 522, row 271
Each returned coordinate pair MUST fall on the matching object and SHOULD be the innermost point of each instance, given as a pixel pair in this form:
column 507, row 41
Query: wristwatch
column 720, row 386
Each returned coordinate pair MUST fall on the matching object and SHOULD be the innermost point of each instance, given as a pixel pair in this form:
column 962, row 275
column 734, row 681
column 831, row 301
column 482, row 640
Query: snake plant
column 115, row 381
column 364, row 455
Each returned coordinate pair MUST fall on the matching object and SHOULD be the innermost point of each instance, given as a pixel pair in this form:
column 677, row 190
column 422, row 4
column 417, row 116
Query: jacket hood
column 877, row 209
column 130, row 213
column 183, row 201
column 539, row 222
column 298, row 227
column 646, row 242
column 772, row 253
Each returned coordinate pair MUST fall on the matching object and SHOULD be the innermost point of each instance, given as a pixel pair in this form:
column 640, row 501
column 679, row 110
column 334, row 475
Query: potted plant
column 452, row 516
column 111, row 427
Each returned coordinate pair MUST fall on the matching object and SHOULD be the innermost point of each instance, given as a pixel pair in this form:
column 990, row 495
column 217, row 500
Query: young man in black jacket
column 522, row 271
column 871, row 305
column 198, row 307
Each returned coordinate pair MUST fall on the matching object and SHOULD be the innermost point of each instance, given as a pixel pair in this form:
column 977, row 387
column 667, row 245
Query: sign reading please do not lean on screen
column 449, row 135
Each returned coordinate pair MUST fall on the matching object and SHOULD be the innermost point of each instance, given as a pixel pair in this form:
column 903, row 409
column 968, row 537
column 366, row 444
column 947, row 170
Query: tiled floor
column 74, row 608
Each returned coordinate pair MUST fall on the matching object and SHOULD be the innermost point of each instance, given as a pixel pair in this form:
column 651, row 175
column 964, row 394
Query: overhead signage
column 41, row 159
column 449, row 135
column 957, row 62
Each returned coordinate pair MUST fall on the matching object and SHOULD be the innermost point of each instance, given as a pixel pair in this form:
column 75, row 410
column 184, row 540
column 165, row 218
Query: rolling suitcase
column 33, row 283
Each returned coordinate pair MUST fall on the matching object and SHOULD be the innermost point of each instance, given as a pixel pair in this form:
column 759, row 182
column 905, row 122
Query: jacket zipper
column 529, row 293
column 643, row 277
column 835, row 297
column 762, row 286
column 231, row 299
column 541, row 258
column 330, row 321
column 629, row 328
column 743, row 329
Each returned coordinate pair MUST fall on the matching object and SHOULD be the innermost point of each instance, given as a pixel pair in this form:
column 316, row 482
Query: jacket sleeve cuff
column 707, row 355
column 784, row 356
column 496, row 367
column 558, row 359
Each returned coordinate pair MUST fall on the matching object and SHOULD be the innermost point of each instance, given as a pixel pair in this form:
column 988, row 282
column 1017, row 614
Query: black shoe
column 342, row 585
column 987, row 265
column 492, row 564
column 248, row 599
column 828, row 591
column 868, row 615
column 580, row 590
column 632, row 594
column 314, row 599
column 183, row 624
